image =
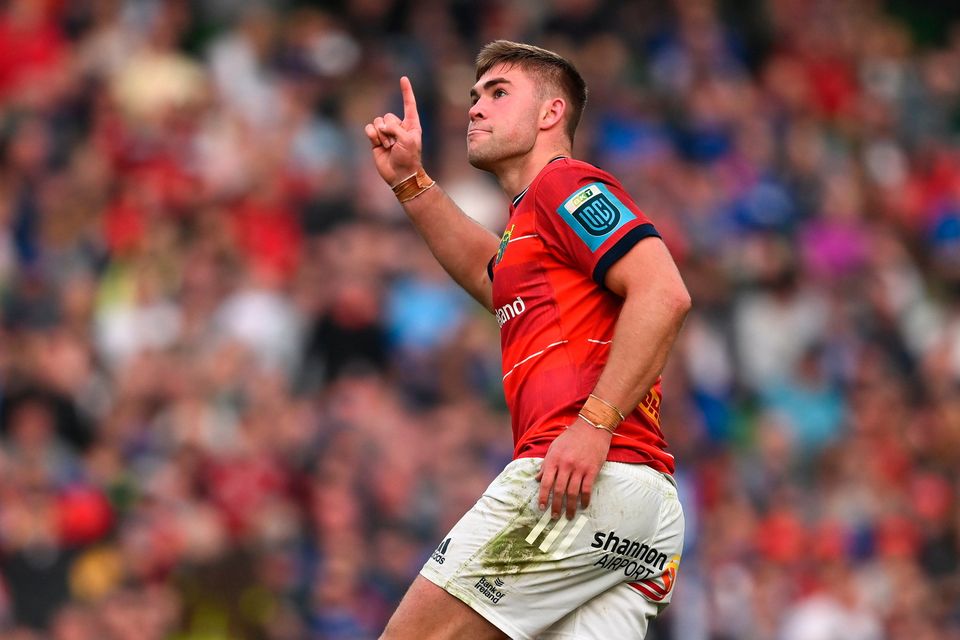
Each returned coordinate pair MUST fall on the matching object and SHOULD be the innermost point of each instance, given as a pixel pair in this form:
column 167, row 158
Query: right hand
column 397, row 143
column 570, row 467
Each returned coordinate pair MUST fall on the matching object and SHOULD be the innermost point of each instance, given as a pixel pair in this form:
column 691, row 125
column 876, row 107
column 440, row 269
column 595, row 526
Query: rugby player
column 581, row 534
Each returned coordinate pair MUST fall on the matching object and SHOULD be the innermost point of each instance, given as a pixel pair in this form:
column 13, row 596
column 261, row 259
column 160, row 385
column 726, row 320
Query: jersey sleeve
column 588, row 219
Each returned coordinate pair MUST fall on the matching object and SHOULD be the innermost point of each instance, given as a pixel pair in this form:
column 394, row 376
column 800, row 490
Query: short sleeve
column 588, row 219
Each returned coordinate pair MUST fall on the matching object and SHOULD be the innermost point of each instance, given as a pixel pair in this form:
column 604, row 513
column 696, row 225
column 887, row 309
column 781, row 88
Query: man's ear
column 552, row 112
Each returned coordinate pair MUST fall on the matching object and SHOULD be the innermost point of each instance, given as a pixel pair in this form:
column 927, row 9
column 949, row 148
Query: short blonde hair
column 553, row 70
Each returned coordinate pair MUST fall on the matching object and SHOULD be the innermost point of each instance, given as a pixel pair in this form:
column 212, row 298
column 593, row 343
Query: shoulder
column 570, row 171
column 561, row 179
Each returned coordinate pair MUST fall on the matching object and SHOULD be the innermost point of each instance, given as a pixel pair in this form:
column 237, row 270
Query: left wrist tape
column 600, row 414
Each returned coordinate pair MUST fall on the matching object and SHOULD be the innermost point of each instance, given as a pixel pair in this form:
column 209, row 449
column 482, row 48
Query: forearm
column 462, row 246
column 655, row 302
column 643, row 337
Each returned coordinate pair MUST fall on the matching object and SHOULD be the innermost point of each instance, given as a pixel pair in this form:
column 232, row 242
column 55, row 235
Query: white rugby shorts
column 604, row 574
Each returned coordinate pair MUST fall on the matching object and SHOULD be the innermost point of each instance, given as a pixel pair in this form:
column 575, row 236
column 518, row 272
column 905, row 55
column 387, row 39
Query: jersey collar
column 517, row 198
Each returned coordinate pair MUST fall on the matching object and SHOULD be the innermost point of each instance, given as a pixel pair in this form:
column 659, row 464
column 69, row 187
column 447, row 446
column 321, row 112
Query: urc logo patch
column 594, row 214
column 598, row 216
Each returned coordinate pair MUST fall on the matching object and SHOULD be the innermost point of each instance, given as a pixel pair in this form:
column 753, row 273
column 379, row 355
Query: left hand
column 571, row 466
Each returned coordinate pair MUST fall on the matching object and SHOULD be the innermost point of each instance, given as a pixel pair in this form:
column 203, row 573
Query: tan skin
column 513, row 132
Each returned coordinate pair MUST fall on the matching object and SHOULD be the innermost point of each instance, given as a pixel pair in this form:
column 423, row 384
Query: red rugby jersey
column 556, row 318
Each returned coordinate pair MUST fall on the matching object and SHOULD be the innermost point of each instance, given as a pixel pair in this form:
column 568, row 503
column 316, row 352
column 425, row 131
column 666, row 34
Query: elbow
column 680, row 303
column 673, row 301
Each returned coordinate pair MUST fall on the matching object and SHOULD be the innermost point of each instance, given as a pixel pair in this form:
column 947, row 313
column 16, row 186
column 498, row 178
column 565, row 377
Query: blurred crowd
column 238, row 398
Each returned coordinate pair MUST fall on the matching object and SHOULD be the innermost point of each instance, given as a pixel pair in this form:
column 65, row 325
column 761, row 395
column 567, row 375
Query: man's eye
column 499, row 93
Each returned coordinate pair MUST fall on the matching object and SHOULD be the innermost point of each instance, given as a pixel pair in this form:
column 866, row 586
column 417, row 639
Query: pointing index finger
column 410, row 115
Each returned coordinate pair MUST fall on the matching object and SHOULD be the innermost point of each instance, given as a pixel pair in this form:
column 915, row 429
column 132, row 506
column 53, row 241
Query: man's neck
column 516, row 175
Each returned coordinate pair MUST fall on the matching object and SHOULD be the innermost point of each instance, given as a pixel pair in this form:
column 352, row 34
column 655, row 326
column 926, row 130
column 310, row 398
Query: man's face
column 504, row 116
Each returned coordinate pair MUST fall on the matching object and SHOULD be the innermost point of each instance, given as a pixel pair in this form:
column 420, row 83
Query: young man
column 589, row 303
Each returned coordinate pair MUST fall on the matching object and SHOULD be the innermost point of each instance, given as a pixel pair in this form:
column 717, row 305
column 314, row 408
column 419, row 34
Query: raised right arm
column 460, row 244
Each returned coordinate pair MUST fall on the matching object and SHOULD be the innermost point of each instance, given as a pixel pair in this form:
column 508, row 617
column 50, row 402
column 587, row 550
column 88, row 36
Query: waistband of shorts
column 640, row 472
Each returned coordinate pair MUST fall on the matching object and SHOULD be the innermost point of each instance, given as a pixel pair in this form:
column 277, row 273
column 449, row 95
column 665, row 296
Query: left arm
column 655, row 304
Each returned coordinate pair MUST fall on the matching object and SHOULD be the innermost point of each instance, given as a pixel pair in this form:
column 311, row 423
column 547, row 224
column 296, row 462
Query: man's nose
column 475, row 112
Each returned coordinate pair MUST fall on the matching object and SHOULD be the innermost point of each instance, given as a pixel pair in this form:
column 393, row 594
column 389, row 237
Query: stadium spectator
column 188, row 403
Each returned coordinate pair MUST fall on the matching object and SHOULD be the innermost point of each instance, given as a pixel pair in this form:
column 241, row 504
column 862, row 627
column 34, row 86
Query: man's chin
column 480, row 161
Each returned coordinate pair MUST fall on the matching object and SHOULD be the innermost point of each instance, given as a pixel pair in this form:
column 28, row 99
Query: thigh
column 523, row 571
column 427, row 612
column 621, row 612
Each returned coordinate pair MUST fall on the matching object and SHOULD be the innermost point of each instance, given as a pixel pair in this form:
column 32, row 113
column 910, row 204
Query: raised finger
column 410, row 116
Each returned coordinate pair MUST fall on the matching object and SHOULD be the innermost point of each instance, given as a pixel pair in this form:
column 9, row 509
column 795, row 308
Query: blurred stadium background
column 239, row 400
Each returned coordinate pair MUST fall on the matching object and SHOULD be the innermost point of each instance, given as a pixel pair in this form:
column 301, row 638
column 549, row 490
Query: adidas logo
column 438, row 555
